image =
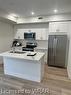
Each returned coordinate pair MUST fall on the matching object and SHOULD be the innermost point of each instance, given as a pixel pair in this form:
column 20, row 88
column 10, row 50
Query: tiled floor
column 55, row 81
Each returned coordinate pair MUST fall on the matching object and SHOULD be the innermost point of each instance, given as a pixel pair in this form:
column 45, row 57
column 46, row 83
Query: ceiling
column 23, row 8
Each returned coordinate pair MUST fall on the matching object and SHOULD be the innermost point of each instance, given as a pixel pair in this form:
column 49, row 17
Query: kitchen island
column 23, row 66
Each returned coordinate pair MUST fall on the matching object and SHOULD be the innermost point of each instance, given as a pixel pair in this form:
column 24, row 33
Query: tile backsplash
column 40, row 43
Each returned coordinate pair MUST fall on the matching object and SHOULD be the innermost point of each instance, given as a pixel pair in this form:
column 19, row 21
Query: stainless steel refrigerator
column 57, row 50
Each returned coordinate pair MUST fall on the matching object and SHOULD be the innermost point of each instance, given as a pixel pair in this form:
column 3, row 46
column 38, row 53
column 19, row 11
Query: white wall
column 35, row 25
column 69, row 56
column 6, row 37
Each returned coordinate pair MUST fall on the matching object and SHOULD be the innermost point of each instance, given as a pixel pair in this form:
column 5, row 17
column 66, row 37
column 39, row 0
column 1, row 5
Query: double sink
column 22, row 52
column 17, row 52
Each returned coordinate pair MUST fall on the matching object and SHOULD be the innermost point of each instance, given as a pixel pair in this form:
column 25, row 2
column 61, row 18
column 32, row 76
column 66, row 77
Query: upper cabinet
column 58, row 27
column 20, row 33
column 41, row 33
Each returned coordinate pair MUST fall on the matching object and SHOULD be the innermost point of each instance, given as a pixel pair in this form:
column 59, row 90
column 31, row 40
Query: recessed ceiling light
column 32, row 13
column 55, row 11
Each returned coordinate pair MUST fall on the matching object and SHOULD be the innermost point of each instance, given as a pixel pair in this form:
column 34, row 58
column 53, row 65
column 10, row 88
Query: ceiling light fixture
column 32, row 13
column 55, row 11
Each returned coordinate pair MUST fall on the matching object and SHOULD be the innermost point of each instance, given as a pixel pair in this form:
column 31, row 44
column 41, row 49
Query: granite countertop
column 36, row 57
column 45, row 48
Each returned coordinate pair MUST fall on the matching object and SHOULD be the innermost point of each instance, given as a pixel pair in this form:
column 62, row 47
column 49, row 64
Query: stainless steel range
column 29, row 46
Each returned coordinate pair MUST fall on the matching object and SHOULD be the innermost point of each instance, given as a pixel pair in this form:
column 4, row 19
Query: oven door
column 27, row 49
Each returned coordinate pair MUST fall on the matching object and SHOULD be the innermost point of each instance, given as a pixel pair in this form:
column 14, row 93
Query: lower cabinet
column 44, row 50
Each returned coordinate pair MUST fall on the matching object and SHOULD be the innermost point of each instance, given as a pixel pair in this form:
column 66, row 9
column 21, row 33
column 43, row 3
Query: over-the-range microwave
column 29, row 35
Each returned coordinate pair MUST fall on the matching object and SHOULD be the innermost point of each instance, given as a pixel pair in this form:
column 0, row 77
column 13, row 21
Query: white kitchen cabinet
column 44, row 34
column 44, row 50
column 41, row 33
column 38, row 33
column 20, row 33
column 58, row 27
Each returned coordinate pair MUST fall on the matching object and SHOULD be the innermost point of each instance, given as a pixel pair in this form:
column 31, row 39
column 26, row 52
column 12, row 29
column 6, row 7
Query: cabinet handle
column 18, row 37
column 57, row 30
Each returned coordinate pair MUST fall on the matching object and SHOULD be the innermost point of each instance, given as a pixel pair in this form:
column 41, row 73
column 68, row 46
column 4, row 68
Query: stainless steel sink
column 18, row 52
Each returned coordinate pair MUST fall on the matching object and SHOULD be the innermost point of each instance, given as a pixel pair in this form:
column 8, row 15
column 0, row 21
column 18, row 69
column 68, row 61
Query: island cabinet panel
column 23, row 66
column 30, row 70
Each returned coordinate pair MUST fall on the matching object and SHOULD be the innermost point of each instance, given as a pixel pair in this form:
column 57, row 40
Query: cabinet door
column 52, row 27
column 38, row 34
column 44, row 34
column 58, row 27
column 41, row 34
column 62, row 27
column 20, row 33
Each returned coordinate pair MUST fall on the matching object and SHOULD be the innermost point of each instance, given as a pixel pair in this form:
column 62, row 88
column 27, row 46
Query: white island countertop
column 36, row 57
column 20, row 65
column 44, row 48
